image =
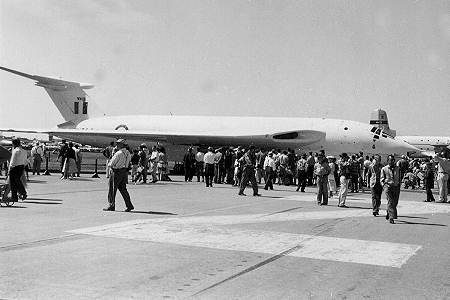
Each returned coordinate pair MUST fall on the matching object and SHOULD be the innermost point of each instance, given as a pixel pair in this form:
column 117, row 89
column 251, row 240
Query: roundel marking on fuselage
column 122, row 126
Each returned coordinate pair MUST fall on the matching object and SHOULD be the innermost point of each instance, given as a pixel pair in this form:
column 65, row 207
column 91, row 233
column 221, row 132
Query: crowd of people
column 355, row 173
column 240, row 167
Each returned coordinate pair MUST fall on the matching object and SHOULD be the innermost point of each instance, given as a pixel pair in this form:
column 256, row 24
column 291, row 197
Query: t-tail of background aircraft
column 428, row 145
column 304, row 134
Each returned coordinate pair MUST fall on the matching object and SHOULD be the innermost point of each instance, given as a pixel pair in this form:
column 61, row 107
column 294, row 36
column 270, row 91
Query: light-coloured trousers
column 442, row 181
column 343, row 190
column 331, row 183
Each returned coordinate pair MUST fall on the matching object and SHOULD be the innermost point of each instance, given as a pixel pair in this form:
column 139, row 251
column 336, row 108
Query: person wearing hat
column 344, row 172
column 209, row 166
column 321, row 171
column 119, row 177
column 248, row 173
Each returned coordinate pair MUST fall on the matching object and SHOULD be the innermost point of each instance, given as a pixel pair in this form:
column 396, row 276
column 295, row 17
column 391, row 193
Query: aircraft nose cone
column 399, row 147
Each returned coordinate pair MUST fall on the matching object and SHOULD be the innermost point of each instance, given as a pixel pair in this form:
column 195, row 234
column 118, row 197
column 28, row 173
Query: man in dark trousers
column 321, row 171
column 143, row 161
column 390, row 179
column 119, row 176
column 302, row 166
column 429, row 180
column 373, row 175
column 189, row 165
column 209, row 166
column 310, row 168
column 62, row 155
column 108, row 153
column 16, row 168
column 248, row 174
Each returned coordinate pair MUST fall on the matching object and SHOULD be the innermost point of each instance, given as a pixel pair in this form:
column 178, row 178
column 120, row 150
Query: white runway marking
column 219, row 237
column 211, row 232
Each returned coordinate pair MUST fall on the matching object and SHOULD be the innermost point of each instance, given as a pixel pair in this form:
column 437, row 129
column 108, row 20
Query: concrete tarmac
column 186, row 241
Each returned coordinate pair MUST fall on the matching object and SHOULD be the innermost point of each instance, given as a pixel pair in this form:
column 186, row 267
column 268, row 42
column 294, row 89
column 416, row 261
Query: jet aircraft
column 427, row 145
column 307, row 134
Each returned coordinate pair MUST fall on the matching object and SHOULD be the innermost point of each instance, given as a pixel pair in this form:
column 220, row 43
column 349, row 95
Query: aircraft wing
column 102, row 137
column 25, row 130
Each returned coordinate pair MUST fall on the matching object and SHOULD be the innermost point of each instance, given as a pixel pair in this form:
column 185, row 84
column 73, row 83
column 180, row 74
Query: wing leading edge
column 103, row 137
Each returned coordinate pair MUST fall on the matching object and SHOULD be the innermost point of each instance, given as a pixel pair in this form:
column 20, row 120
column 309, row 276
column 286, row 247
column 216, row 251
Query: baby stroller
column 410, row 180
column 5, row 199
column 138, row 176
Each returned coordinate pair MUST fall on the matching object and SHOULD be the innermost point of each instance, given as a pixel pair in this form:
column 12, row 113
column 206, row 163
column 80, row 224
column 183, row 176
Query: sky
column 328, row 58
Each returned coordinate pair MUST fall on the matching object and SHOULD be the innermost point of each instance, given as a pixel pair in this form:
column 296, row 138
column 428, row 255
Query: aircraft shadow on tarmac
column 416, row 223
column 152, row 212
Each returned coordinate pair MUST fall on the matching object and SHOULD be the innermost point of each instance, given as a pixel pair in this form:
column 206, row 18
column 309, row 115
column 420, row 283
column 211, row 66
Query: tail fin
column 69, row 97
column 379, row 119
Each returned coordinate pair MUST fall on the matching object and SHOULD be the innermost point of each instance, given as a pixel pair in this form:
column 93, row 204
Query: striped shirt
column 121, row 159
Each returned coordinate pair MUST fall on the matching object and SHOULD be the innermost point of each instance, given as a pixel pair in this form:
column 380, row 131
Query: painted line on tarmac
column 41, row 242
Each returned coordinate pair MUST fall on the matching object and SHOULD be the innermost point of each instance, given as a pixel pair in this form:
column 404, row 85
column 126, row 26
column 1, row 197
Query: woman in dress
column 70, row 166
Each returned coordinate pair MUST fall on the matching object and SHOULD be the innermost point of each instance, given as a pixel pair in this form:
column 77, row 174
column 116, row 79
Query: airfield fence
column 93, row 163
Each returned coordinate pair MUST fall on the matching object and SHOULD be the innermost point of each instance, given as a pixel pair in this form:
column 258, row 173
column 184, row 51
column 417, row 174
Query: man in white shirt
column 209, row 166
column 269, row 170
column 199, row 164
column 154, row 163
column 119, row 177
column 16, row 168
column 443, row 169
